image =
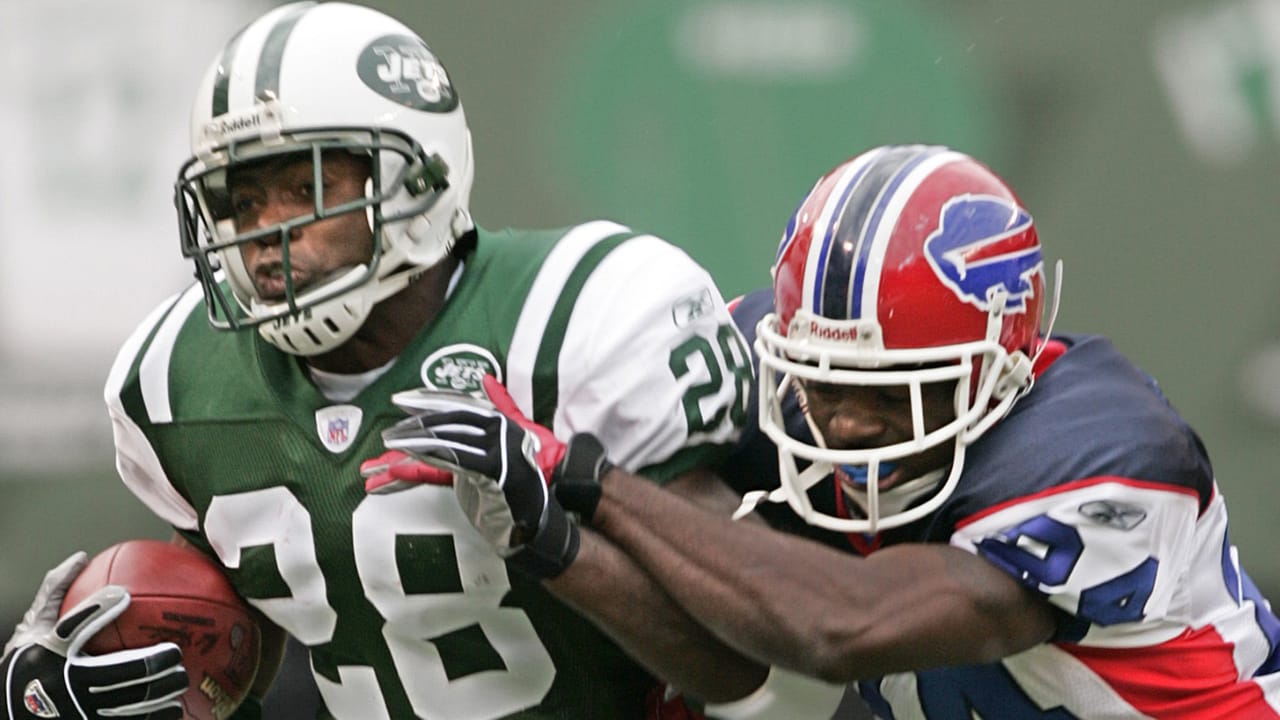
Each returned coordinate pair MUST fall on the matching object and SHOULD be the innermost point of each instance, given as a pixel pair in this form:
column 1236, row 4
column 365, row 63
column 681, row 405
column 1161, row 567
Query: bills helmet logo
column 981, row 247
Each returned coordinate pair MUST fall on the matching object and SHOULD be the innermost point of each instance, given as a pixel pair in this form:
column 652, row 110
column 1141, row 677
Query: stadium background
column 1142, row 135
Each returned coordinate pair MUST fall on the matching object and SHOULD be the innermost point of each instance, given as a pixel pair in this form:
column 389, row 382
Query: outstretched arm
column 807, row 607
column 612, row 591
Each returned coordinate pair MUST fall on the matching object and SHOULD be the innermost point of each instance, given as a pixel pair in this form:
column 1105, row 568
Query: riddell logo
column 225, row 127
column 835, row 334
column 263, row 119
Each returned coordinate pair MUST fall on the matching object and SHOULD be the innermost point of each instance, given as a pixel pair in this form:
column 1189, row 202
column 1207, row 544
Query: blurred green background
column 1142, row 135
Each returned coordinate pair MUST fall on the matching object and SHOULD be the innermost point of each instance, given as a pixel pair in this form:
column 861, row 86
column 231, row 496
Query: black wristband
column 553, row 548
column 576, row 481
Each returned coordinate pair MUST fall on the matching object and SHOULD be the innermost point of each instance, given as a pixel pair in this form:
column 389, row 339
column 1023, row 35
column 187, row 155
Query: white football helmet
column 309, row 78
column 904, row 266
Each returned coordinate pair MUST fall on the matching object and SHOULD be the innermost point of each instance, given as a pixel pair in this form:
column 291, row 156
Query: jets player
column 325, row 208
column 1015, row 523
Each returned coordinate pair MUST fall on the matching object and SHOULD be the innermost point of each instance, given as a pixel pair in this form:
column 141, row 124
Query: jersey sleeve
column 652, row 363
column 135, row 393
column 1109, row 551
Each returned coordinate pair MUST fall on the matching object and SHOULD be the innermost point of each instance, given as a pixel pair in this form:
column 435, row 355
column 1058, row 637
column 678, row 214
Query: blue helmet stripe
column 850, row 230
column 821, row 281
column 873, row 225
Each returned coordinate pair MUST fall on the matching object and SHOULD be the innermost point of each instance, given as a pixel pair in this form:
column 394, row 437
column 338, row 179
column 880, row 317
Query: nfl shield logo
column 338, row 426
column 37, row 701
column 338, row 431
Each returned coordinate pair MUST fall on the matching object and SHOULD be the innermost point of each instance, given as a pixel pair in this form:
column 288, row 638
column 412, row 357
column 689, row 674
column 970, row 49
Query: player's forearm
column 724, row 575
column 806, row 607
column 772, row 596
column 650, row 626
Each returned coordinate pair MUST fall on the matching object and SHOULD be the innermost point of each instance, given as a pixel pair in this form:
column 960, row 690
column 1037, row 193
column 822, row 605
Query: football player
column 326, row 210
column 1004, row 521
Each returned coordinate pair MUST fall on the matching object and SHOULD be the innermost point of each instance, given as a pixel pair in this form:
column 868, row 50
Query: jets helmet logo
column 402, row 69
column 981, row 247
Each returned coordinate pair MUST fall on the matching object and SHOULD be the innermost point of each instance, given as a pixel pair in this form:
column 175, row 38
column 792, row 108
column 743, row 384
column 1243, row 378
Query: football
column 179, row 595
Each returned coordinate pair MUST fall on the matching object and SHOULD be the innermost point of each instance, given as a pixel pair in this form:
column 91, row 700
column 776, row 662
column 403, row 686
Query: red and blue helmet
column 904, row 265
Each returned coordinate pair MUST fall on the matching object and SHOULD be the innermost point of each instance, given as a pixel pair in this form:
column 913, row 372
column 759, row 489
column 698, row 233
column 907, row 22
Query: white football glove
column 47, row 676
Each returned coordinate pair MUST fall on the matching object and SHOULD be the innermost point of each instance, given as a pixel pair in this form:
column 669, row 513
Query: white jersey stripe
column 542, row 300
column 153, row 373
column 129, row 350
column 136, row 461
column 619, row 355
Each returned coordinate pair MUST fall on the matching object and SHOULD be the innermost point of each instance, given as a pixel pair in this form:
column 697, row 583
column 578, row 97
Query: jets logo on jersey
column 337, row 426
column 402, row 70
column 460, row 368
column 980, row 248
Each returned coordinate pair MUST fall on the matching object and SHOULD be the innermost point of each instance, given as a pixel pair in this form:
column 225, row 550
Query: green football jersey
column 406, row 610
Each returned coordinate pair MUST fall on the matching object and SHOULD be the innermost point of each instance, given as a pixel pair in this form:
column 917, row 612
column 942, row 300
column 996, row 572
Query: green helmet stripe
column 267, row 82
column 546, row 393
column 222, row 83
column 268, row 73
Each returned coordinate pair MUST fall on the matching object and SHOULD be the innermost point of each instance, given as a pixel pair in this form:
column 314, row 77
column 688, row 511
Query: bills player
column 1012, row 522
